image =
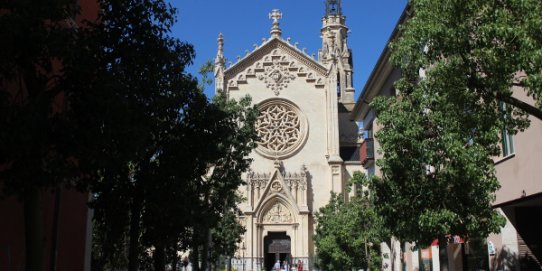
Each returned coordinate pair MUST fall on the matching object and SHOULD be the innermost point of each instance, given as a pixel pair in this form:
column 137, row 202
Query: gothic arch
column 272, row 202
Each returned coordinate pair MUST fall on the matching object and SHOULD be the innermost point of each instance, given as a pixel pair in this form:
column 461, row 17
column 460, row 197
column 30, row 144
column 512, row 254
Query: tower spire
column 219, row 60
column 335, row 49
column 220, row 65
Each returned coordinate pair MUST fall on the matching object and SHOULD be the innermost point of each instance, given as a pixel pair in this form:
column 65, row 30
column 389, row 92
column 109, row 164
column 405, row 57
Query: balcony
column 367, row 153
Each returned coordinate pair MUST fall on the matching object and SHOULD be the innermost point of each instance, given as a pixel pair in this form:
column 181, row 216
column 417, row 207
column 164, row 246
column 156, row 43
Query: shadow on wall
column 529, row 263
column 506, row 260
column 310, row 201
column 310, row 192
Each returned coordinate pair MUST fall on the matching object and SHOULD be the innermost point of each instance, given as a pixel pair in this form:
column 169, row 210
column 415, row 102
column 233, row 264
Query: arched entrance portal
column 277, row 246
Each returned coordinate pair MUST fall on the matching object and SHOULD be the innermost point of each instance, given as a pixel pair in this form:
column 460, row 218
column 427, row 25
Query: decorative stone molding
column 265, row 186
column 296, row 180
column 276, row 187
column 281, row 127
column 278, row 214
column 276, row 76
column 276, row 63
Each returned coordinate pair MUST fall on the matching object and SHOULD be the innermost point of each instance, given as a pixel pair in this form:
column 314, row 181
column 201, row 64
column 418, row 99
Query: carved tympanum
column 278, row 214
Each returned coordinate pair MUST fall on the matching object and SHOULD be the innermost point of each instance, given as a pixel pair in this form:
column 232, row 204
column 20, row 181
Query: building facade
column 308, row 145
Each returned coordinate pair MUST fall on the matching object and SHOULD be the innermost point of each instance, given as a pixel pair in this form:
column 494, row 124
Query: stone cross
column 275, row 15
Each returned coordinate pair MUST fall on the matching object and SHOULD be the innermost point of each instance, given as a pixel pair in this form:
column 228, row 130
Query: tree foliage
column 349, row 232
column 161, row 159
column 108, row 107
column 464, row 66
column 226, row 236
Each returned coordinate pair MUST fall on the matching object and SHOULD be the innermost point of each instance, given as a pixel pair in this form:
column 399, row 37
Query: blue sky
column 245, row 22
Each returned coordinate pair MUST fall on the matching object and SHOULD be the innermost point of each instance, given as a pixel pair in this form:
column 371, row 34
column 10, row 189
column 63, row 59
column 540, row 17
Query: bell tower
column 335, row 49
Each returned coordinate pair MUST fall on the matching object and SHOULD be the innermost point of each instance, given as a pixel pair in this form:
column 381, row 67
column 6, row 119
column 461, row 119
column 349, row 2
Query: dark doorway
column 277, row 246
column 529, row 237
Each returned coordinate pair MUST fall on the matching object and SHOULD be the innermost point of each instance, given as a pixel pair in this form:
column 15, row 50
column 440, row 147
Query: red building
column 66, row 217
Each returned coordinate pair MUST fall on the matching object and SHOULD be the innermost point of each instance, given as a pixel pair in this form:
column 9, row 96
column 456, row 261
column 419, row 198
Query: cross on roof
column 275, row 15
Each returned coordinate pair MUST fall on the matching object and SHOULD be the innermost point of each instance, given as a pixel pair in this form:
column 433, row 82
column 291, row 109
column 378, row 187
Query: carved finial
column 275, row 15
column 264, row 40
column 220, row 41
column 331, row 43
column 295, row 44
column 288, row 39
column 219, row 60
column 276, row 163
column 255, row 46
column 304, row 50
column 238, row 58
column 313, row 55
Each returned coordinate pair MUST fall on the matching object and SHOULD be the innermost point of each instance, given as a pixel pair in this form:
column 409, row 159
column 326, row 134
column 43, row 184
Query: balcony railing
column 367, row 151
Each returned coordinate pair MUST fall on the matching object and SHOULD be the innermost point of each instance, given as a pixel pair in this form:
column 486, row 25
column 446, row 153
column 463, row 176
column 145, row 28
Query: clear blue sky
column 245, row 22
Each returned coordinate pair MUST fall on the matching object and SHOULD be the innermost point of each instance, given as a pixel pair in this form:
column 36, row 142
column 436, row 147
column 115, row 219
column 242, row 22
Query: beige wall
column 519, row 173
column 310, row 92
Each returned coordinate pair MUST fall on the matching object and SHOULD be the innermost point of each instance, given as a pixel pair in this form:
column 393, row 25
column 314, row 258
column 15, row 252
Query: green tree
column 215, row 233
column 229, row 150
column 464, row 64
column 349, row 232
column 226, row 235
column 133, row 108
column 35, row 152
column 159, row 157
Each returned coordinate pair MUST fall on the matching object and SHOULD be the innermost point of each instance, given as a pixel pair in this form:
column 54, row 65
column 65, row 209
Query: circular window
column 282, row 128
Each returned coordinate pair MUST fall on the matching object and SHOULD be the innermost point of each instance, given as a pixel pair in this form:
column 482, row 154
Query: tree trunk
column 54, row 238
column 159, row 257
column 133, row 250
column 174, row 257
column 195, row 258
column 229, row 263
column 205, row 252
column 443, row 253
column 33, row 226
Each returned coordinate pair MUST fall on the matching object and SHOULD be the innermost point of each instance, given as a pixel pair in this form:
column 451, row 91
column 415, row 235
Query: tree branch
column 531, row 110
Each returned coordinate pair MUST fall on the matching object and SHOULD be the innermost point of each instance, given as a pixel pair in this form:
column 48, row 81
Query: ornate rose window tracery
column 282, row 128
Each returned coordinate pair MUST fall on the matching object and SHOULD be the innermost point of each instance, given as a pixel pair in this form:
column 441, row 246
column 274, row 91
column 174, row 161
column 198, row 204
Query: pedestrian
column 299, row 265
column 276, row 267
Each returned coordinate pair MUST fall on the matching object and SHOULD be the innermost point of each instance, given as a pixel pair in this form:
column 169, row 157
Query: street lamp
column 243, row 249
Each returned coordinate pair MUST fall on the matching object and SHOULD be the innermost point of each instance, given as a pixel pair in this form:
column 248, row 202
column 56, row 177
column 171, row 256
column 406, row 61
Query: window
column 507, row 143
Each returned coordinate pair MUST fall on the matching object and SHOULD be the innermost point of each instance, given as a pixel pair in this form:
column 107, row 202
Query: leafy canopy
column 349, row 232
column 148, row 136
column 461, row 61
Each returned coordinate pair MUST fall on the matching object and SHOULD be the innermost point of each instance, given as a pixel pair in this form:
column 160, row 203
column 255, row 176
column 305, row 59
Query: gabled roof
column 268, row 47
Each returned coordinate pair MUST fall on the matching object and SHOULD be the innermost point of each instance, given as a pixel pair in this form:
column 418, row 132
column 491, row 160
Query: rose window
column 281, row 127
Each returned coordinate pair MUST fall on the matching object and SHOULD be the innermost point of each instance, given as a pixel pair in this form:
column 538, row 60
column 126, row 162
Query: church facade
column 308, row 146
